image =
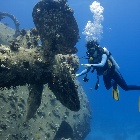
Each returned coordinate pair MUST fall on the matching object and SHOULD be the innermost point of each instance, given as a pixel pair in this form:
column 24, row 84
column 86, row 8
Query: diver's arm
column 103, row 61
column 83, row 72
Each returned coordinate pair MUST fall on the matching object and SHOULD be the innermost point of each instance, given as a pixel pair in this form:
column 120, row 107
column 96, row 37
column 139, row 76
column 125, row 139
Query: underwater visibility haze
column 116, row 26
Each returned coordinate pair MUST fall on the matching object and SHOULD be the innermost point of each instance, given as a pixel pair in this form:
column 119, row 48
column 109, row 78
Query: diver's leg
column 108, row 81
column 121, row 82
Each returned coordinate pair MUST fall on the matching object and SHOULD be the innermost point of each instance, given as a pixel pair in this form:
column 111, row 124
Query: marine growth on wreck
column 39, row 97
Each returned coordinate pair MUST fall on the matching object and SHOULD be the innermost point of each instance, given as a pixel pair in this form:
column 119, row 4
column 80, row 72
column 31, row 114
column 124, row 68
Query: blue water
column 111, row 120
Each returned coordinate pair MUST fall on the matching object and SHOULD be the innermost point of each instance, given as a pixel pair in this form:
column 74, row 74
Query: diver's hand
column 86, row 65
column 75, row 75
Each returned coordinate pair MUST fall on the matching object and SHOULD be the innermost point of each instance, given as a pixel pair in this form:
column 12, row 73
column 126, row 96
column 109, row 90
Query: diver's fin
column 115, row 93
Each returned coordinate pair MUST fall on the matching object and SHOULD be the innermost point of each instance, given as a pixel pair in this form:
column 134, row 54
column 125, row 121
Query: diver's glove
column 75, row 75
column 87, row 65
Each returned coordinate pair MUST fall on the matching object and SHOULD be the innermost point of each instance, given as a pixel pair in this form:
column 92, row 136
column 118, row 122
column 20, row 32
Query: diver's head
column 92, row 44
column 92, row 48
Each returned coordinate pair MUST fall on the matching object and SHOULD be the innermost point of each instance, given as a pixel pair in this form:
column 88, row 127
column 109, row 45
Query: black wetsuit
column 111, row 76
column 116, row 77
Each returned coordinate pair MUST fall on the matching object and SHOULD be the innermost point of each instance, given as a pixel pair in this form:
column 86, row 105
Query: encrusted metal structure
column 39, row 95
column 57, row 26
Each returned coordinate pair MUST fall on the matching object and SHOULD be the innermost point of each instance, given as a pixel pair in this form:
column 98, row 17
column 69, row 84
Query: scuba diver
column 101, row 60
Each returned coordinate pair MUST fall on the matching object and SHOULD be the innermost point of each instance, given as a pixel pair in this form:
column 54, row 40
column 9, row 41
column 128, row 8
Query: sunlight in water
column 93, row 30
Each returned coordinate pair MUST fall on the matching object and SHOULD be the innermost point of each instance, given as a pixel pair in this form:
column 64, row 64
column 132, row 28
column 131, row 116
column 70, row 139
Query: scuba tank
column 111, row 57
